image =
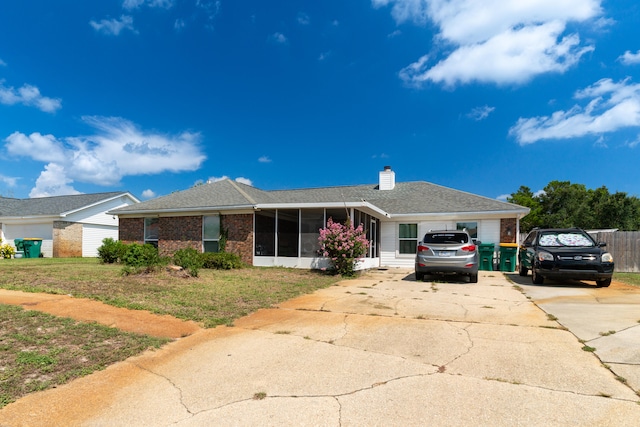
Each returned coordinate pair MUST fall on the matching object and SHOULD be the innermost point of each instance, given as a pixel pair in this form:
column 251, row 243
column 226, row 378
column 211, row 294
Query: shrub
column 139, row 258
column 6, row 250
column 221, row 260
column 189, row 259
column 343, row 245
column 111, row 250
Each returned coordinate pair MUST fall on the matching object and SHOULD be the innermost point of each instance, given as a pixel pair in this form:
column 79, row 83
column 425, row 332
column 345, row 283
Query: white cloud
column 279, row 38
column 630, row 58
column 2, row 63
column 480, row 113
column 503, row 197
column 324, row 55
column 240, row 179
column 43, row 148
column 53, row 181
column 9, row 180
column 148, row 194
column 135, row 4
column 303, row 18
column 211, row 10
column 132, row 4
column 114, row 26
column 117, row 149
column 495, row 41
column 610, row 106
column 264, row 159
column 30, row 96
column 245, row 181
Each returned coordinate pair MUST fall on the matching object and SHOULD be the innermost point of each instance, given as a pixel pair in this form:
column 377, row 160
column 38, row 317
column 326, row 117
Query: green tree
column 563, row 204
column 524, row 197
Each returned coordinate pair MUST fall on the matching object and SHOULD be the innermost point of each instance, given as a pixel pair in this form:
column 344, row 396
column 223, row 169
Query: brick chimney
column 387, row 179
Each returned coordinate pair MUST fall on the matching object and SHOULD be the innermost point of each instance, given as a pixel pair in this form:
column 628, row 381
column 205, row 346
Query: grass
column 40, row 351
column 215, row 297
column 632, row 279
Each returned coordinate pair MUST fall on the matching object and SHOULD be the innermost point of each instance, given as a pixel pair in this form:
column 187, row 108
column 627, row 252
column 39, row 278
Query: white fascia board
column 463, row 215
column 183, row 211
column 325, row 205
column 31, row 219
column 129, row 195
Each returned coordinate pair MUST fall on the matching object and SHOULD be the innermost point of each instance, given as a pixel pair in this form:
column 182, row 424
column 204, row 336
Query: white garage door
column 92, row 236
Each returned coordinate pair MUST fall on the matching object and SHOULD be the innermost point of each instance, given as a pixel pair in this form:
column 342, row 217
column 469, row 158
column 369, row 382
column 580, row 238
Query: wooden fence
column 625, row 248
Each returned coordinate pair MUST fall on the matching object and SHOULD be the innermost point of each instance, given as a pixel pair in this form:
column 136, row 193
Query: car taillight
column 422, row 248
column 469, row 248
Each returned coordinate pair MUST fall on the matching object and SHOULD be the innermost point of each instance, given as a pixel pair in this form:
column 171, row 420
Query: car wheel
column 536, row 278
column 419, row 276
column 473, row 278
column 522, row 270
column 604, row 283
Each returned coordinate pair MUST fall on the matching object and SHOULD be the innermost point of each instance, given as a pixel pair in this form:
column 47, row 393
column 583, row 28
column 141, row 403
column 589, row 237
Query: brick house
column 69, row 226
column 281, row 227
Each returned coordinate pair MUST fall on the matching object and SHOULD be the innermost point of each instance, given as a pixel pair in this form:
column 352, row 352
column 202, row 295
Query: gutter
column 181, row 210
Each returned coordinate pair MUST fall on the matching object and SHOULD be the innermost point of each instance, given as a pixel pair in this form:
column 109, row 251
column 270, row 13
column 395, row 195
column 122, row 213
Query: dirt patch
column 86, row 310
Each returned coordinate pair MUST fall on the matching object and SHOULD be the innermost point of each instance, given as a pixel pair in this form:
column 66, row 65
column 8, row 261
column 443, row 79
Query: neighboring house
column 281, row 228
column 69, row 226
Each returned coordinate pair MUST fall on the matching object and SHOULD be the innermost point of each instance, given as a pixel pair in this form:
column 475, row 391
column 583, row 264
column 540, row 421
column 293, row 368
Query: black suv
column 565, row 253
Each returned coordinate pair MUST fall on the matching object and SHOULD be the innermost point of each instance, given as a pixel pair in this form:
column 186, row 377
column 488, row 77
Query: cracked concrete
column 380, row 350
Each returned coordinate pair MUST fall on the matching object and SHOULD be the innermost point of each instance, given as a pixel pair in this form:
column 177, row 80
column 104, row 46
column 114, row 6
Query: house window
column 408, row 238
column 211, row 233
column 472, row 228
column 151, row 231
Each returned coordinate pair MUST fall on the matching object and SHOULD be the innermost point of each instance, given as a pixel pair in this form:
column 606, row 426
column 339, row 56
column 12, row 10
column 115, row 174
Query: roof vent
column 387, row 179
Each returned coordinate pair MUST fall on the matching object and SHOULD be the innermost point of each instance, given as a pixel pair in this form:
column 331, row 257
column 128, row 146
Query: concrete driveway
column 605, row 319
column 380, row 350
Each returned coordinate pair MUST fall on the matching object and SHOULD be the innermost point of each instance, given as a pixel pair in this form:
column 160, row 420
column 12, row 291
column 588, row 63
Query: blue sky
column 154, row 96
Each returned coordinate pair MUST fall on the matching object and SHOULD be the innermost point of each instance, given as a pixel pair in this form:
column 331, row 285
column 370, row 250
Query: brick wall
column 508, row 230
column 67, row 239
column 186, row 232
column 179, row 233
column 240, row 235
column 131, row 230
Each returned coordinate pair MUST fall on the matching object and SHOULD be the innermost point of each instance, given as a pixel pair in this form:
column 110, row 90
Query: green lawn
column 39, row 351
column 628, row 278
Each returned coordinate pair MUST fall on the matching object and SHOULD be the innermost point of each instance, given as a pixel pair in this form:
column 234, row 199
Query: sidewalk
column 380, row 350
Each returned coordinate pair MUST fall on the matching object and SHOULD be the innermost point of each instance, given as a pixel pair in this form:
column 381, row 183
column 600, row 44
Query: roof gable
column 55, row 205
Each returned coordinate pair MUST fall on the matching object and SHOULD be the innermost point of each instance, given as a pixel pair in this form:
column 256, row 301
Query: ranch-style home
column 281, row 227
column 69, row 226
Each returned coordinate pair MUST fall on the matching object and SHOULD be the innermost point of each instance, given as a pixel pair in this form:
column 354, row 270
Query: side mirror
column 476, row 242
column 602, row 244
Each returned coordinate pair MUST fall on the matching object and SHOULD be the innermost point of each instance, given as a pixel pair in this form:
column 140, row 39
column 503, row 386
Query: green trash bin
column 32, row 247
column 19, row 248
column 508, row 256
column 485, row 251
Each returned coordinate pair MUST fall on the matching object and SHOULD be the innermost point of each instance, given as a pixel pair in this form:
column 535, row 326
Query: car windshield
column 565, row 239
column 441, row 238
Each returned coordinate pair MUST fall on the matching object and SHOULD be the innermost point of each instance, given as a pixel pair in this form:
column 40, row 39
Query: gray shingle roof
column 55, row 205
column 406, row 198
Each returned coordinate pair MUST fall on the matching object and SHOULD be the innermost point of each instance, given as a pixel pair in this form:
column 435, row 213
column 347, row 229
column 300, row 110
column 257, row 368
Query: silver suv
column 447, row 251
